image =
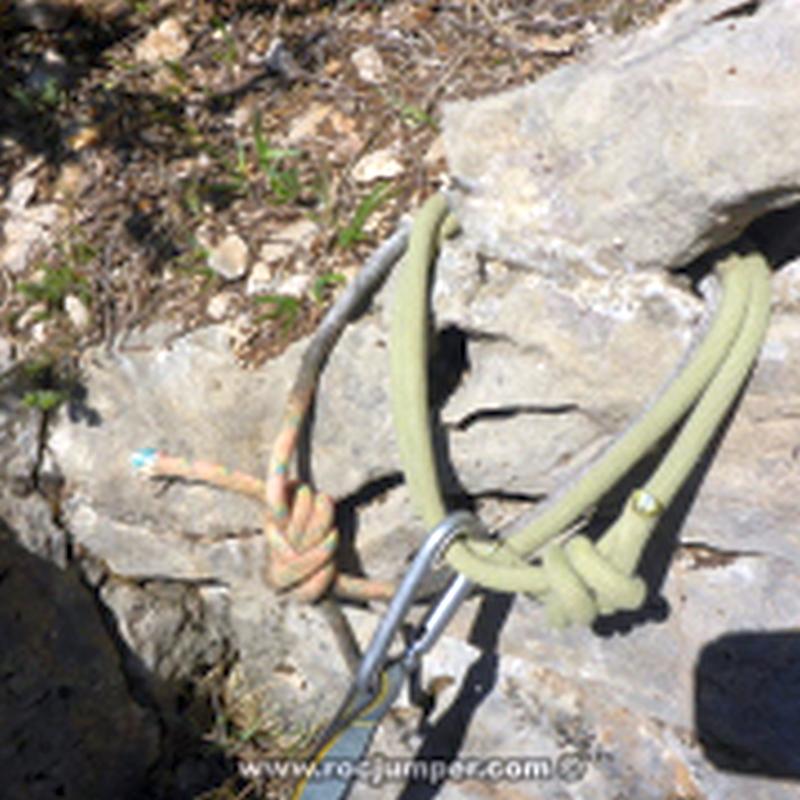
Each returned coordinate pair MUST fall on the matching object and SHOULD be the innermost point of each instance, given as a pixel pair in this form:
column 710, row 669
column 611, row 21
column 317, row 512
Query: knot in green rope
column 584, row 583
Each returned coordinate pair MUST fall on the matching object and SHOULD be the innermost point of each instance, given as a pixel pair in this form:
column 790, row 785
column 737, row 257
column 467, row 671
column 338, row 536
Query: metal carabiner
column 366, row 683
column 379, row 678
column 437, row 541
column 436, row 620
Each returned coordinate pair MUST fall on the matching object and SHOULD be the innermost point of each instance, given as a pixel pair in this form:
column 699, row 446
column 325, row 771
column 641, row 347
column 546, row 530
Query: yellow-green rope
column 408, row 356
column 579, row 579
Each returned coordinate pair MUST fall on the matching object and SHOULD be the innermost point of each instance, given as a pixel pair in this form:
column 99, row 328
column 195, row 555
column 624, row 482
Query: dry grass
column 147, row 162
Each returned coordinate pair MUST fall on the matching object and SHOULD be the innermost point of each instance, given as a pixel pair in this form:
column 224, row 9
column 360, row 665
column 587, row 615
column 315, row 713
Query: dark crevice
column 179, row 734
column 528, row 498
column 448, row 364
column 507, row 412
column 776, row 235
column 171, row 580
column 477, row 335
column 704, row 555
column 449, row 360
column 347, row 509
column 746, row 9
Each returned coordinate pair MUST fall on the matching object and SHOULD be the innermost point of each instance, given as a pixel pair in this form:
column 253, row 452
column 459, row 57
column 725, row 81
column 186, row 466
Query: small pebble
column 261, row 279
column 229, row 257
column 296, row 285
column 167, row 42
column 77, row 312
column 220, row 305
column 379, row 164
column 369, row 65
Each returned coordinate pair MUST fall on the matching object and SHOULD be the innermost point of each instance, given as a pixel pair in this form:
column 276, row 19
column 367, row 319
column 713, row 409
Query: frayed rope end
column 144, row 458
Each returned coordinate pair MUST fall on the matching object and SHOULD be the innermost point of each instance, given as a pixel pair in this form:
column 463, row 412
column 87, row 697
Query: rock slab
column 535, row 373
column 655, row 148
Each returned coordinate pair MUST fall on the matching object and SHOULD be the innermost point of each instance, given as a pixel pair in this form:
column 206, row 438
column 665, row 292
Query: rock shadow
column 776, row 235
column 747, row 703
column 444, row 738
column 82, row 715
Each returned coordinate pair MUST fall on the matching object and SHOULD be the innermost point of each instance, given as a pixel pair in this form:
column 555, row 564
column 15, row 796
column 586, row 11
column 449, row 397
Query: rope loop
column 580, row 579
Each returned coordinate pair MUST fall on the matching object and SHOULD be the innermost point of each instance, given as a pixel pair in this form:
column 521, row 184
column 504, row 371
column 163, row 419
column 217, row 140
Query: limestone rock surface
column 651, row 150
column 534, row 372
column 188, row 397
column 553, row 374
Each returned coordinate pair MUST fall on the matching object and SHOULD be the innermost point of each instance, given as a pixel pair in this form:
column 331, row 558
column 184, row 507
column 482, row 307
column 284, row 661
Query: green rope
column 580, row 579
column 408, row 358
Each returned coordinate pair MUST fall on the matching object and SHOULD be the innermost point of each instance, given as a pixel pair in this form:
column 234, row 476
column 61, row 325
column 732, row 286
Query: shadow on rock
column 747, row 703
column 444, row 739
column 71, row 726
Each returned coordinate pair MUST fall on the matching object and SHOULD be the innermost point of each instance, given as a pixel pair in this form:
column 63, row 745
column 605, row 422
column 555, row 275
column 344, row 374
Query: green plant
column 56, row 281
column 192, row 197
column 323, row 212
column 354, row 231
column 235, row 184
column 410, row 112
column 417, row 115
column 194, row 261
column 55, row 284
column 44, row 382
column 323, row 283
column 51, row 94
column 283, row 180
column 194, row 136
column 229, row 53
column 285, row 309
column 44, row 399
column 181, row 76
column 47, row 97
column 231, row 175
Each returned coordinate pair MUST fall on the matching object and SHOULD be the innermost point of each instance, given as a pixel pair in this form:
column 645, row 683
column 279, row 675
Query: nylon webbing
column 337, row 763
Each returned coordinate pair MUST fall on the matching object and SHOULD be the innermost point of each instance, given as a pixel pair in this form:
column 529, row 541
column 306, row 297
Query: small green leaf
column 285, row 309
column 285, row 185
column 324, row 282
column 55, row 285
column 354, row 231
column 192, row 199
column 283, row 181
column 417, row 115
column 44, row 399
column 81, row 253
column 265, row 153
column 51, row 94
column 178, row 71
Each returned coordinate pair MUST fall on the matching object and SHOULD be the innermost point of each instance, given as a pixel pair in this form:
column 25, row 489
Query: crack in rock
column 506, row 412
column 703, row 555
column 746, row 9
